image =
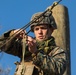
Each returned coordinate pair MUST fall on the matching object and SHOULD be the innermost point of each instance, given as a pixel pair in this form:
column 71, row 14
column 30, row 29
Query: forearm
column 2, row 41
column 5, row 41
column 12, row 44
column 4, row 38
column 12, row 47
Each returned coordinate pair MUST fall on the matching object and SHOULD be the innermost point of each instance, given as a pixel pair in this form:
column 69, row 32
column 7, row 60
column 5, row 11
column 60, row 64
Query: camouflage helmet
column 47, row 19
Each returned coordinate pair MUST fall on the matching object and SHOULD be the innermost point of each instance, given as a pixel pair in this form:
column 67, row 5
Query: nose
column 40, row 30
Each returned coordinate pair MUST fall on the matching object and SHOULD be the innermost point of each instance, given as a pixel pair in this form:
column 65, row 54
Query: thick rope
column 23, row 54
column 27, row 25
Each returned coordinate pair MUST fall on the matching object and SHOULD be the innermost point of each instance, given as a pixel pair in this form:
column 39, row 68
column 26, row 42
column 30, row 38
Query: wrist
column 36, row 51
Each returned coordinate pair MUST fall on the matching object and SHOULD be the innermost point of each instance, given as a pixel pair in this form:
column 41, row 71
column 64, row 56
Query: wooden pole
column 62, row 33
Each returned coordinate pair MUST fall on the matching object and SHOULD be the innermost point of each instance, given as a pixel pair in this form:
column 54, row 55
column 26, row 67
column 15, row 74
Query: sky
column 15, row 14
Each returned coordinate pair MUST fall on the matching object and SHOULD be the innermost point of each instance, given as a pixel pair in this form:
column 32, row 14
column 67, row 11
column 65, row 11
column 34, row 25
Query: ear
column 52, row 29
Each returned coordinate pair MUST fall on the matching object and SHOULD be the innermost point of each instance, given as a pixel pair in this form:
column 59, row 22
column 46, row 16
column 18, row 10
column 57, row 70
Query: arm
column 11, row 47
column 53, row 63
column 3, row 39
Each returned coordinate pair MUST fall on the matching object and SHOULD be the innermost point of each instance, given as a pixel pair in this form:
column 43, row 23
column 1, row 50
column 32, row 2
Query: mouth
column 40, row 37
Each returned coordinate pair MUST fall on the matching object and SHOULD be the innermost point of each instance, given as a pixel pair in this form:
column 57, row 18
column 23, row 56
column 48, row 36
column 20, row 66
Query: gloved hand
column 19, row 33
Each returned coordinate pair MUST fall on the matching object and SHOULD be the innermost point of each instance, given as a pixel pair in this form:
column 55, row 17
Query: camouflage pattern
column 47, row 18
column 50, row 59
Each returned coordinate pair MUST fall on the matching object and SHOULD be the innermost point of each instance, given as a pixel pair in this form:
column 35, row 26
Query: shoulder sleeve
column 53, row 63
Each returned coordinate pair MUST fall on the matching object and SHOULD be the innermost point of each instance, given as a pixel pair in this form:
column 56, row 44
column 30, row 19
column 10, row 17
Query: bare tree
column 4, row 71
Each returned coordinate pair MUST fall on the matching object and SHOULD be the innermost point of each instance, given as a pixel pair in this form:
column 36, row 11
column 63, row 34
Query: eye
column 44, row 28
column 36, row 29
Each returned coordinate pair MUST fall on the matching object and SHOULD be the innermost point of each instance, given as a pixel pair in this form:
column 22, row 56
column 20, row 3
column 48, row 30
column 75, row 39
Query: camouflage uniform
column 50, row 59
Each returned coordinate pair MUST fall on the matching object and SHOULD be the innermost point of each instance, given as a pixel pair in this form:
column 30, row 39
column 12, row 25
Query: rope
column 23, row 54
column 27, row 25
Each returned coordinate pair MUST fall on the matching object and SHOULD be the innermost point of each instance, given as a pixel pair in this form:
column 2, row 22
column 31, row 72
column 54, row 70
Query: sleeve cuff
column 9, row 33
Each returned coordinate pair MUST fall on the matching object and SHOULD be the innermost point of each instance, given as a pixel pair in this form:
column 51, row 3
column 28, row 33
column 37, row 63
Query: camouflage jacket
column 50, row 59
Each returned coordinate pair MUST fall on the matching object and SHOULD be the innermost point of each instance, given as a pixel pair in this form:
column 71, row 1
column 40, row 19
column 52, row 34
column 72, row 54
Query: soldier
column 41, row 52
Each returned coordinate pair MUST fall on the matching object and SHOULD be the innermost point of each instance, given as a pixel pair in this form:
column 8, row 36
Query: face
column 42, row 32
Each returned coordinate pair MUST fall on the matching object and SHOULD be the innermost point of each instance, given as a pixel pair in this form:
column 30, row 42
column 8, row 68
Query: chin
column 41, row 39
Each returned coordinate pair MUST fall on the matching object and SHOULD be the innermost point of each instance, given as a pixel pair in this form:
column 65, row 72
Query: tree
column 4, row 71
